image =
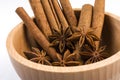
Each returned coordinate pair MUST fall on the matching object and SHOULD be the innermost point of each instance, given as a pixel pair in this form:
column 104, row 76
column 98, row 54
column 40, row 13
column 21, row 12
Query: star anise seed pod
column 66, row 60
column 38, row 56
column 83, row 37
column 94, row 55
column 59, row 39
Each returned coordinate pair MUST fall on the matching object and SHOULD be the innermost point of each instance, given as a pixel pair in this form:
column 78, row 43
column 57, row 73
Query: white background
column 9, row 19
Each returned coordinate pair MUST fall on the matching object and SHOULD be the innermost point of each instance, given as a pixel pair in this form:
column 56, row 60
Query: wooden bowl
column 108, row 69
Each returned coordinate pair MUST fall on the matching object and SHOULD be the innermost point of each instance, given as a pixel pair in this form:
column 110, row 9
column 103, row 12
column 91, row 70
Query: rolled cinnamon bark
column 31, row 41
column 85, row 17
column 69, row 12
column 60, row 14
column 54, row 13
column 98, row 18
column 49, row 14
column 37, row 34
column 40, row 17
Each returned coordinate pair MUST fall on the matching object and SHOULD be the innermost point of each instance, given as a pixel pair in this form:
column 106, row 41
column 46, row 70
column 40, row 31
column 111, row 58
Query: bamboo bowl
column 108, row 69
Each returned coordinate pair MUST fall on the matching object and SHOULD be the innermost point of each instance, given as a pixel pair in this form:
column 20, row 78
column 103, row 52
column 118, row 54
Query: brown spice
column 85, row 17
column 98, row 18
column 54, row 13
column 85, row 23
column 84, row 32
column 32, row 42
column 66, row 60
column 59, row 40
column 60, row 14
column 84, row 38
column 40, row 17
column 37, row 34
column 69, row 13
column 38, row 56
column 77, row 52
column 88, row 38
column 49, row 14
column 94, row 55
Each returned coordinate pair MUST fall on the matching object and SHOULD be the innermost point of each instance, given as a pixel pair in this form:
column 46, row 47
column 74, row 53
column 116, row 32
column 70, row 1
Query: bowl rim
column 56, row 69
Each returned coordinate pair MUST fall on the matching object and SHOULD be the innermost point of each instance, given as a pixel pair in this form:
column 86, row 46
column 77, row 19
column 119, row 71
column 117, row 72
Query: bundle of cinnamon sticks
column 56, row 16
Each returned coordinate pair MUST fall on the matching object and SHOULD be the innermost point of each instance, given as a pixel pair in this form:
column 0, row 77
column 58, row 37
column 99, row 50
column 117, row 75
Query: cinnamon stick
column 49, row 14
column 60, row 14
column 40, row 17
column 37, row 34
column 85, row 17
column 54, row 13
column 98, row 18
column 32, row 42
column 69, row 12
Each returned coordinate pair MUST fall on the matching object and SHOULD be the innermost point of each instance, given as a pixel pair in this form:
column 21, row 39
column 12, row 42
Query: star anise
column 94, row 55
column 83, row 37
column 59, row 39
column 68, row 59
column 38, row 56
